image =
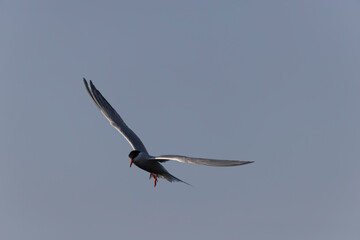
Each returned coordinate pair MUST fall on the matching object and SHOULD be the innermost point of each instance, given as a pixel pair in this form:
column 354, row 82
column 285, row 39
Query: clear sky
column 275, row 82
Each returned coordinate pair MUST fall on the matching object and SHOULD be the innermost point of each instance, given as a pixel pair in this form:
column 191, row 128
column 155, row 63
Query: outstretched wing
column 114, row 118
column 202, row 161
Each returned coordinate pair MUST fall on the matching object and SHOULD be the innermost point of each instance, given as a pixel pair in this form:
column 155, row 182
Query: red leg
column 155, row 176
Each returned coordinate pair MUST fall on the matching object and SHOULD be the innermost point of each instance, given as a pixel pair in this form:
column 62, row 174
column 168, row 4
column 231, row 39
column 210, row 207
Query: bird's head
column 132, row 155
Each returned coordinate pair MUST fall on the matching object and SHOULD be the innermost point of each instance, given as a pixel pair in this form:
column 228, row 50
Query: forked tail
column 171, row 178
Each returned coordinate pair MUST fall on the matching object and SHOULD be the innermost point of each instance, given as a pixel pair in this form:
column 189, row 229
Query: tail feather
column 171, row 178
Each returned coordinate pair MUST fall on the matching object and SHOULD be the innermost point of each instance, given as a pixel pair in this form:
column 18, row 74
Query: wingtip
column 92, row 86
column 86, row 82
column 247, row 162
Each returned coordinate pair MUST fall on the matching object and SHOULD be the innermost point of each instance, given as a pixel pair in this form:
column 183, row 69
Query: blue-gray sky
column 275, row 82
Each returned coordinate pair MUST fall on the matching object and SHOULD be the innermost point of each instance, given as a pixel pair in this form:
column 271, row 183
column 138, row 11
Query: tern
column 140, row 156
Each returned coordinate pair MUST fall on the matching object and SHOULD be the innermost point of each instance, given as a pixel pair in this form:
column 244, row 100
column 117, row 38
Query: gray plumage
column 114, row 118
column 202, row 161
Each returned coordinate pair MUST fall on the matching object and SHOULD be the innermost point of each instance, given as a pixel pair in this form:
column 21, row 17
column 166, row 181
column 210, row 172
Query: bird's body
column 140, row 156
column 151, row 165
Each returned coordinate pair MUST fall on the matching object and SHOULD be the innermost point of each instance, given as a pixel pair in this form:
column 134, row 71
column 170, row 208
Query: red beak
column 131, row 162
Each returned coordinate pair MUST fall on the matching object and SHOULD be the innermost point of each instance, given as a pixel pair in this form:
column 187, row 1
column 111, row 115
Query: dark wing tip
column 90, row 90
column 248, row 162
column 91, row 84
column 85, row 82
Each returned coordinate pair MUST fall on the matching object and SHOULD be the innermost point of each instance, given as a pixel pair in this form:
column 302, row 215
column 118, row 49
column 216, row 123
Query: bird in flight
column 140, row 156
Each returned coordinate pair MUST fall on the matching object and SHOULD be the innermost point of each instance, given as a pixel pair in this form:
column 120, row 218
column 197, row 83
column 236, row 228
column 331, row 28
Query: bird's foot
column 155, row 176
